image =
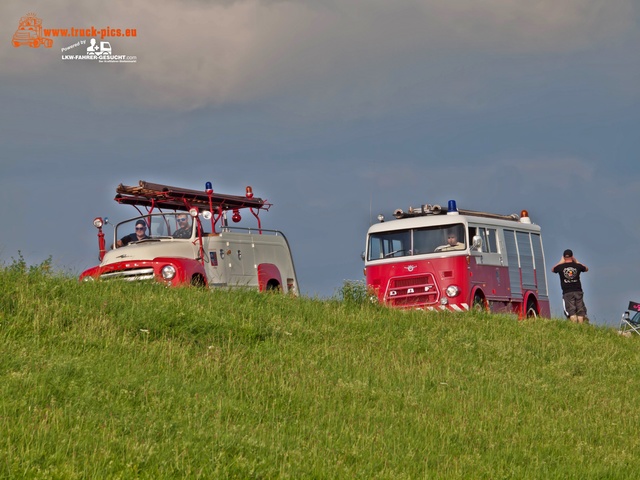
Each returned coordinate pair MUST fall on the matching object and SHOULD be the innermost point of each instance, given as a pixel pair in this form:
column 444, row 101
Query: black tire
column 198, row 281
column 479, row 303
column 532, row 309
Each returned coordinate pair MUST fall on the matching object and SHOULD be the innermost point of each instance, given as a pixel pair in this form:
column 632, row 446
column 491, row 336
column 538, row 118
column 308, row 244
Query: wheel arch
column 478, row 297
column 530, row 306
column 269, row 277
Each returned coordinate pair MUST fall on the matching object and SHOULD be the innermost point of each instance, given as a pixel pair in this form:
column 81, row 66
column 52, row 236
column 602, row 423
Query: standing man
column 569, row 270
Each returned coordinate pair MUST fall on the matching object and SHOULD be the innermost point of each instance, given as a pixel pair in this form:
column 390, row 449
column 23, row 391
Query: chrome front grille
column 129, row 275
column 415, row 291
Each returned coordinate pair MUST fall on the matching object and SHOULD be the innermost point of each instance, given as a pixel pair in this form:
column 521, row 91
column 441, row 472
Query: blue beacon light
column 452, row 208
column 208, row 188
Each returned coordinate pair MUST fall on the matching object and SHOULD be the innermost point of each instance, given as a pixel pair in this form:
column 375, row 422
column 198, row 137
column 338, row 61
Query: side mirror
column 362, row 256
column 476, row 243
column 625, row 316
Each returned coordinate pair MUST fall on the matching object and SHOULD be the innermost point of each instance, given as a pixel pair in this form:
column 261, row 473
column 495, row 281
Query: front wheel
column 479, row 303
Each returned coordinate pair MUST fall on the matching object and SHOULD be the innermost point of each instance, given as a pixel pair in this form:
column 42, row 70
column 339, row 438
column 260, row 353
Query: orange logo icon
column 29, row 33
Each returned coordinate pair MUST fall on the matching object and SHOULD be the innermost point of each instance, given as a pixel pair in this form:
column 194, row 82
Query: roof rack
column 156, row 195
column 427, row 209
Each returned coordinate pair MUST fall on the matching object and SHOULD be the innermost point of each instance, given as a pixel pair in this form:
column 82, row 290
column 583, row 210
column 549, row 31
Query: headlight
column 88, row 278
column 168, row 272
column 97, row 222
column 452, row 291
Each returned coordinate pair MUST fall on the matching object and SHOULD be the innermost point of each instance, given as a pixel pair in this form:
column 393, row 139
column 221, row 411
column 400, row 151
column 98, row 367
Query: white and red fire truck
column 183, row 237
column 435, row 259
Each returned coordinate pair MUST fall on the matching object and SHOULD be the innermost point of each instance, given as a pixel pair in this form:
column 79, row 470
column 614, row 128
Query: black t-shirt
column 570, row 276
column 184, row 232
column 132, row 237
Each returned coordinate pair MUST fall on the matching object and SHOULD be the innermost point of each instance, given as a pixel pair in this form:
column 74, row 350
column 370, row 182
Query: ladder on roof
column 156, row 195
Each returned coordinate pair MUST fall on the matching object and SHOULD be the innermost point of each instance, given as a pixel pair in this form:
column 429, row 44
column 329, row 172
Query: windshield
column 154, row 227
column 416, row 241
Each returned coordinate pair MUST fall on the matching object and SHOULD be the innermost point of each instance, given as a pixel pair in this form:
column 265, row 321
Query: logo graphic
column 29, row 33
column 103, row 49
column 410, row 268
column 102, row 52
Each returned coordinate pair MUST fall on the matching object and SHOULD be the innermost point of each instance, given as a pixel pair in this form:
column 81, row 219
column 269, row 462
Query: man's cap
column 567, row 253
column 141, row 222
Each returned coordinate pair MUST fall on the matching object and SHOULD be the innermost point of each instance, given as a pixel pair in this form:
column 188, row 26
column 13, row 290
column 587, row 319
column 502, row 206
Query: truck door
column 490, row 266
column 215, row 262
column 239, row 262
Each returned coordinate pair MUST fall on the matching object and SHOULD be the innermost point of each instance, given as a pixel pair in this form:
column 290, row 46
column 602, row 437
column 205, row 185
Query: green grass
column 115, row 380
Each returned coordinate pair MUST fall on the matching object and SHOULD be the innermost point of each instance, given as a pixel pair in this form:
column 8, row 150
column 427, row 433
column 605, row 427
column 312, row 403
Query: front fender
column 186, row 269
column 92, row 272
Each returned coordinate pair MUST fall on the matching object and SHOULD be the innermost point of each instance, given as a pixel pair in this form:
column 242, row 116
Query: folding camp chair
column 630, row 323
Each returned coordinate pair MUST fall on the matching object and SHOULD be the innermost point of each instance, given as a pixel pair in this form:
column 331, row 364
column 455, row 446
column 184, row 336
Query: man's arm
column 555, row 268
column 586, row 269
column 124, row 241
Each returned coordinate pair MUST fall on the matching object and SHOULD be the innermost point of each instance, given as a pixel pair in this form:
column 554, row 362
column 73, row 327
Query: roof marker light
column 524, row 217
column 249, row 193
column 452, row 208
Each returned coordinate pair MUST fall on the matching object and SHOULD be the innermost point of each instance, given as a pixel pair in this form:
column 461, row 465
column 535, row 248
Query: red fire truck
column 182, row 236
column 435, row 259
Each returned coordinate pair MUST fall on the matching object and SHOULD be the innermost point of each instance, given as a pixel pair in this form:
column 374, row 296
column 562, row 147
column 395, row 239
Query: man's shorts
column 574, row 304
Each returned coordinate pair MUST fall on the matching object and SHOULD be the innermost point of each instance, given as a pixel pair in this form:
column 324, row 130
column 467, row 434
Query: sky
column 334, row 111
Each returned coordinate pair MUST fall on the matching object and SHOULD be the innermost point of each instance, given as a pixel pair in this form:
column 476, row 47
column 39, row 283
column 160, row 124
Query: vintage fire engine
column 435, row 259
column 182, row 237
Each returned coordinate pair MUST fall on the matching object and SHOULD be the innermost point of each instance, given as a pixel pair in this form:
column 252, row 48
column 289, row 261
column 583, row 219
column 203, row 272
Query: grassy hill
column 115, row 380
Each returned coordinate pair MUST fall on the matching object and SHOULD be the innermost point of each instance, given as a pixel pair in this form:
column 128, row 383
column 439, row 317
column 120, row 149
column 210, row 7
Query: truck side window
column 489, row 238
column 491, row 241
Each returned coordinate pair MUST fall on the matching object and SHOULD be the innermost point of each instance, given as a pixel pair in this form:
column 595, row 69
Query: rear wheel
column 532, row 309
column 273, row 286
